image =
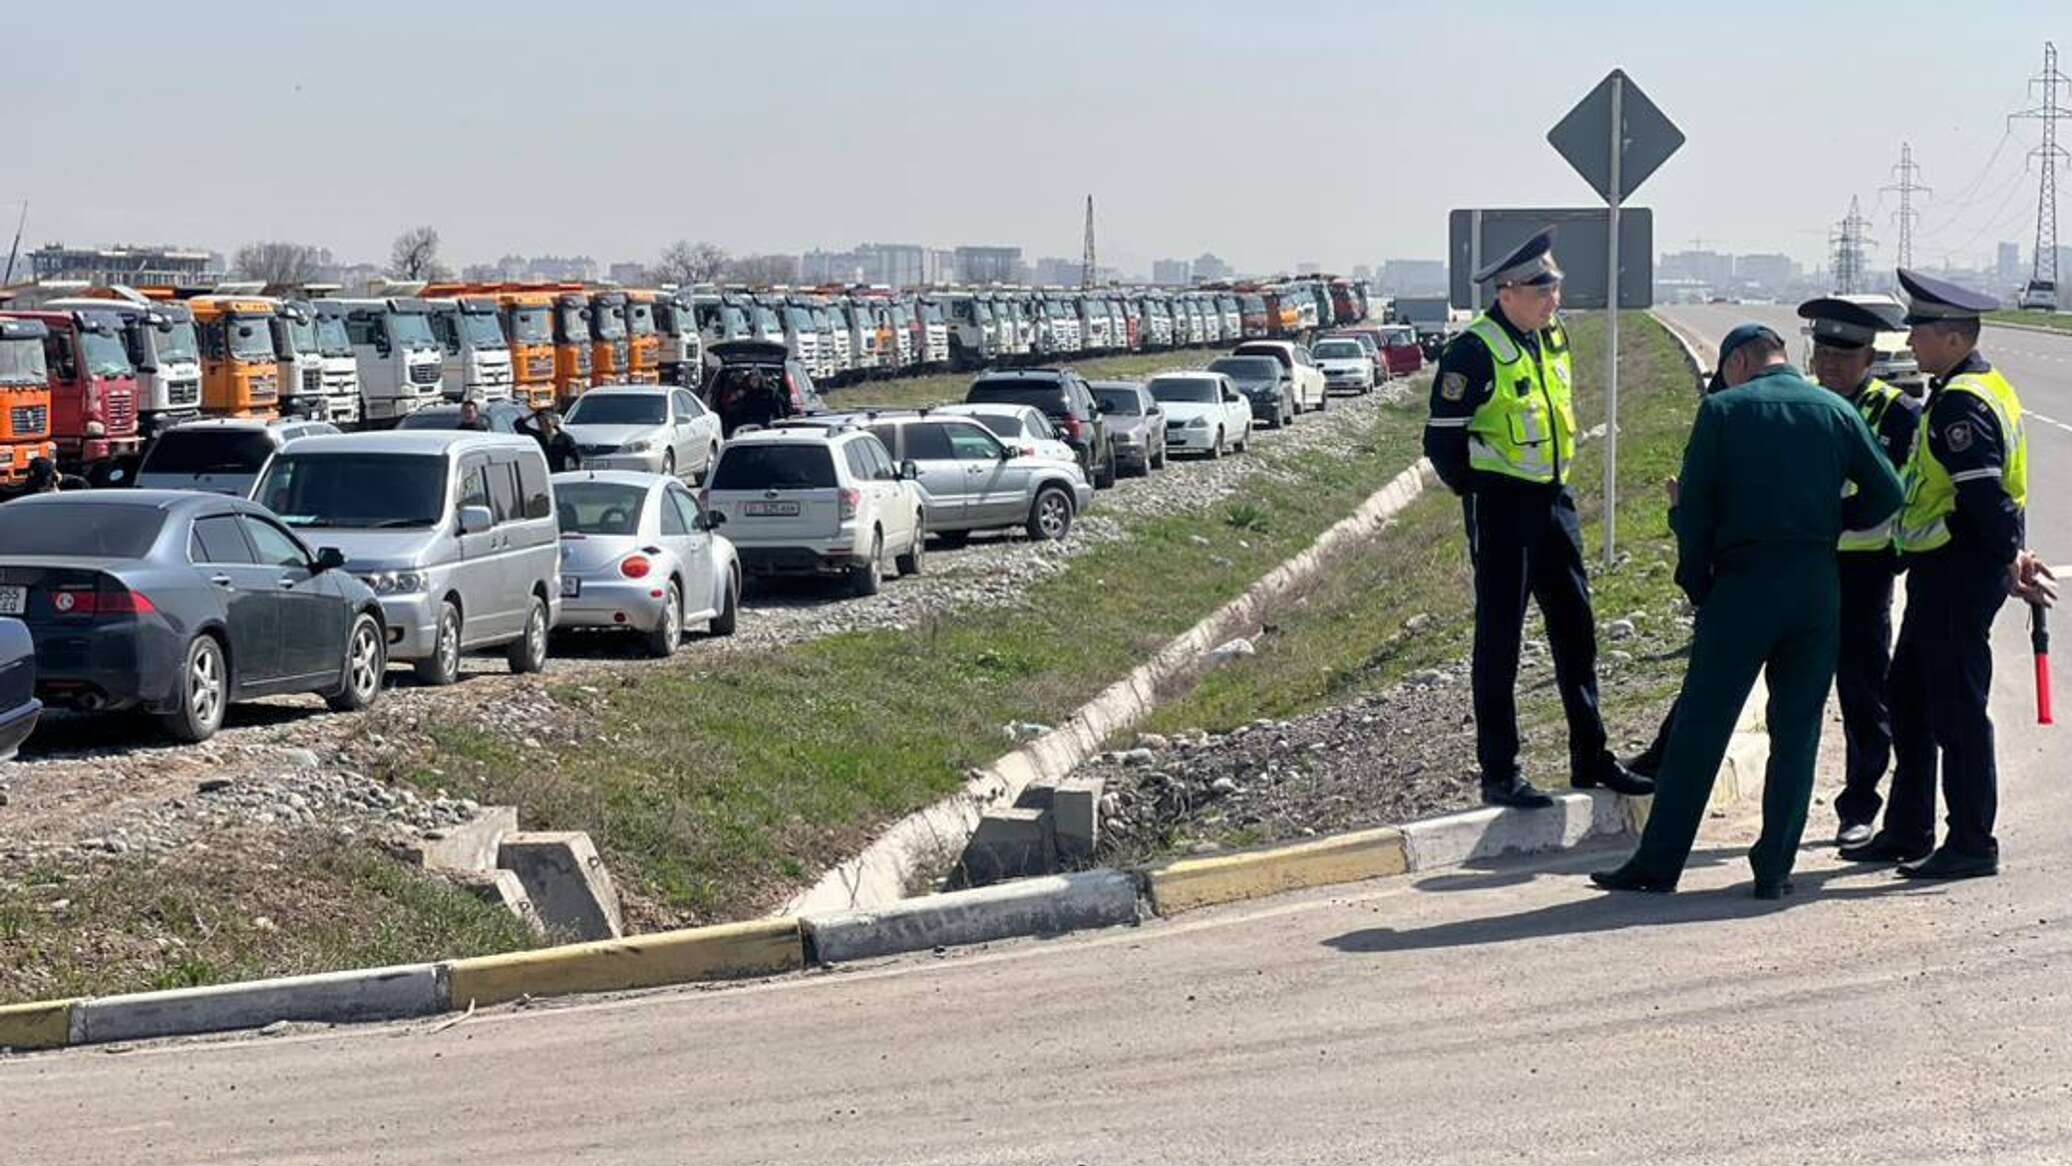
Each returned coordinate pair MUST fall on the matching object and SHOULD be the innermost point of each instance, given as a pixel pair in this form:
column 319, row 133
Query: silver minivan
column 454, row 531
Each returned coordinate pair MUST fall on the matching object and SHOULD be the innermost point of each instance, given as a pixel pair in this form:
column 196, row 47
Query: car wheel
column 662, row 641
column 1244, row 443
column 1324, row 401
column 1050, row 515
column 204, row 693
column 1105, row 480
column 711, row 460
column 443, row 665
column 1216, row 446
column 366, row 660
column 730, row 607
column 528, row 653
column 864, row 577
column 1161, row 462
column 910, row 563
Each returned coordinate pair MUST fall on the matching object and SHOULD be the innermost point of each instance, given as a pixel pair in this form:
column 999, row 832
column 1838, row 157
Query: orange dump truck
column 240, row 374
column 643, row 341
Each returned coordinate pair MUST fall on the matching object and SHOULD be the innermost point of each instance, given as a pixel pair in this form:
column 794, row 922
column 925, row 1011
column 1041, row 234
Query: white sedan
column 1346, row 365
column 1022, row 428
column 655, row 429
column 1204, row 412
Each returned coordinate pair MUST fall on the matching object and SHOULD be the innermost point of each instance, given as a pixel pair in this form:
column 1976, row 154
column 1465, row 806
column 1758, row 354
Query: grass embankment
column 1349, row 638
column 936, row 388
column 2061, row 321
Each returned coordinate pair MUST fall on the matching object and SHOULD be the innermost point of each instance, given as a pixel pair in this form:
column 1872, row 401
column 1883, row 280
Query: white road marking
column 2051, row 421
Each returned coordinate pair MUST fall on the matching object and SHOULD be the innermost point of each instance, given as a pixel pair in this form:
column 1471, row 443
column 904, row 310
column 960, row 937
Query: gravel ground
column 91, row 789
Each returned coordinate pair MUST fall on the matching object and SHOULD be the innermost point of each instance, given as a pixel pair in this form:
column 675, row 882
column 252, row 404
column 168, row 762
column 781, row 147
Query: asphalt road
column 1501, row 1014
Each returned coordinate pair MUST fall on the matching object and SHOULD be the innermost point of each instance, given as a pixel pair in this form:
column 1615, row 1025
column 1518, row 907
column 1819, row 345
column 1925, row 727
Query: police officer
column 1960, row 538
column 1502, row 435
column 1761, row 501
column 1843, row 333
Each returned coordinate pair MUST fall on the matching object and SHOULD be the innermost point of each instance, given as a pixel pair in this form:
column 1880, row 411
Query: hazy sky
column 1267, row 132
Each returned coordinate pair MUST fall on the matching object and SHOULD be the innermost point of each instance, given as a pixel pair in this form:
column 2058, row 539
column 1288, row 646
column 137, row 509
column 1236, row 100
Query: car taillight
column 634, row 567
column 111, row 601
column 851, row 499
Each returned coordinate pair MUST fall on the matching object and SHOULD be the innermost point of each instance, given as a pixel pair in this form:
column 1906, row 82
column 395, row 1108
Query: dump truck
column 401, row 365
column 301, row 364
column 163, row 348
column 611, row 352
column 476, row 359
column 575, row 345
column 528, row 320
column 93, row 389
column 240, row 370
column 24, row 398
column 643, row 339
column 682, row 348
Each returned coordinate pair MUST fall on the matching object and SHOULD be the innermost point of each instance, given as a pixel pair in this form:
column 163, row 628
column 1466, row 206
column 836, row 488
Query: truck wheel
column 442, row 667
column 204, row 693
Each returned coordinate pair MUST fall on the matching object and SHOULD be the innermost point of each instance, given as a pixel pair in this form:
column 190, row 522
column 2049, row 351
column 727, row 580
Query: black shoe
column 1854, row 835
column 1648, row 764
column 1616, row 778
column 1625, row 878
column 1518, row 794
column 1776, row 889
column 1945, row 864
column 1881, row 848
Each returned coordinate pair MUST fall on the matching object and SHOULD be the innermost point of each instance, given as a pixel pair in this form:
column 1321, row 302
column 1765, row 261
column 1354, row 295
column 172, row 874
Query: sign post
column 1615, row 138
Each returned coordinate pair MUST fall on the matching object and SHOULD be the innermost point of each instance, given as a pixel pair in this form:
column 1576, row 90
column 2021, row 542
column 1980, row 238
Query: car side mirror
column 910, row 470
column 475, row 519
column 330, row 559
column 714, row 520
column 1008, row 454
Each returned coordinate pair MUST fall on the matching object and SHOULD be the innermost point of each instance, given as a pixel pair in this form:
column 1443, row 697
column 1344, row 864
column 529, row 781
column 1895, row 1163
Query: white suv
column 818, row 500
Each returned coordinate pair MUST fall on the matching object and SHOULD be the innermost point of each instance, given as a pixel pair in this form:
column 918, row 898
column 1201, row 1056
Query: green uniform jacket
column 1764, row 472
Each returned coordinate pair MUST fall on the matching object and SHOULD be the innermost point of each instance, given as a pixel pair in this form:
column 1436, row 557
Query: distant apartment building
column 1308, row 267
column 1770, row 273
column 1172, row 271
column 894, row 264
column 627, row 274
column 1363, row 272
column 842, row 267
column 1413, row 277
column 1208, row 266
column 2007, row 264
column 989, row 264
column 136, row 265
column 1053, row 270
column 1707, row 267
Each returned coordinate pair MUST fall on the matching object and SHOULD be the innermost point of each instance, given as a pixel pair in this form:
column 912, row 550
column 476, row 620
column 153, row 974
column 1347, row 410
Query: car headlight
column 396, row 582
column 637, row 445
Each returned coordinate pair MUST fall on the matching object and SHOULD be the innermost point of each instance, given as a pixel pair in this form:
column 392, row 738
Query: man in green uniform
column 1760, row 507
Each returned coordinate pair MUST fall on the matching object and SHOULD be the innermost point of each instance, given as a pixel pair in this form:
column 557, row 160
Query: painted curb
column 1491, row 832
column 880, row 875
column 1185, row 884
column 44, row 1024
column 330, row 997
column 1052, row 905
column 727, row 951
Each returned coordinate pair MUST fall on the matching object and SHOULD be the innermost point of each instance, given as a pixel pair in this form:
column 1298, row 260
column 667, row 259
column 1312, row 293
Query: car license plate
column 571, row 586
column 13, row 600
column 770, row 509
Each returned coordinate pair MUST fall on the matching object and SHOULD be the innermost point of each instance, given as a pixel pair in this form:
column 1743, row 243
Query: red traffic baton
column 2039, row 639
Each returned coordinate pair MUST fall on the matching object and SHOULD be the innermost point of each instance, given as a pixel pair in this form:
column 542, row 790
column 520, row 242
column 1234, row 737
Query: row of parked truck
column 90, row 375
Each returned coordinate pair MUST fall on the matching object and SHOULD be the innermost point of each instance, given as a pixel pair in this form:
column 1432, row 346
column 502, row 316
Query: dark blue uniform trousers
column 1860, row 672
column 1528, row 543
column 1942, row 672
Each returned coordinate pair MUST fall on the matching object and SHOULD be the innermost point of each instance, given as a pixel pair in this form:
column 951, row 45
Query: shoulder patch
column 1958, row 436
column 1453, row 386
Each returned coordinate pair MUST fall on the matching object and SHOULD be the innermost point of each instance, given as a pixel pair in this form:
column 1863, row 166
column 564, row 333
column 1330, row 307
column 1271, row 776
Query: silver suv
column 817, row 499
column 970, row 481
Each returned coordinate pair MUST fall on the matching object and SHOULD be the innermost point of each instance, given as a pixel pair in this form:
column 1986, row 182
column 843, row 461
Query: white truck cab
column 401, row 364
column 477, row 358
column 294, row 327
column 341, row 365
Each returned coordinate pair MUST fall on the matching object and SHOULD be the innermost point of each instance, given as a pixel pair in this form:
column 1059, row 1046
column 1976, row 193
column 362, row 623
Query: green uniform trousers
column 1775, row 610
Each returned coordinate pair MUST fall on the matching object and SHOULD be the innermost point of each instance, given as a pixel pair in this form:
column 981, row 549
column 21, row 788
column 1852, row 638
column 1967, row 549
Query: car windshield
column 175, row 342
column 207, row 451
column 86, row 528
column 355, row 490
column 1399, row 336
column 1121, row 402
column 774, row 467
column 640, row 319
column 599, row 507
column 106, row 357
column 22, row 362
column 596, row 408
column 481, row 330
column 412, row 330
column 903, row 316
column 1048, row 396
column 1186, row 390
column 1247, row 368
column 1339, row 350
column 529, row 326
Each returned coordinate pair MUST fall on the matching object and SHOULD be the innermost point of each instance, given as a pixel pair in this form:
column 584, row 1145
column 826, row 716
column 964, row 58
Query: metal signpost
column 1615, row 138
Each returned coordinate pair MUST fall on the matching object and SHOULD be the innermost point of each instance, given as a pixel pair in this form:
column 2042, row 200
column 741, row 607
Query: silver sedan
column 659, row 429
column 637, row 553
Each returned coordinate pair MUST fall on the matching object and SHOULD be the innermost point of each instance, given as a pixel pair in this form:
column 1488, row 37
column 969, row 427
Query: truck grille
column 29, row 420
column 181, row 393
column 122, row 413
column 539, row 368
column 312, row 380
column 425, row 374
column 265, row 390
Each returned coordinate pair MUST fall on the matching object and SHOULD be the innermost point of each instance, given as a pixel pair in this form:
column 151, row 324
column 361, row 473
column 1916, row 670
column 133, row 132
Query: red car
column 1399, row 343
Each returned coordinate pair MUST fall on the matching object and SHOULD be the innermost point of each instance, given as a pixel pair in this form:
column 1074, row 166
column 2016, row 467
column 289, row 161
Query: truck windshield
column 481, row 330
column 331, row 337
column 412, row 329
column 611, row 322
column 22, row 362
column 640, row 319
column 573, row 326
column 1253, row 305
column 302, row 334
column 734, row 321
column 105, row 356
column 362, row 490
column 800, row 319
column 529, row 326
column 766, row 321
column 931, row 313
column 175, row 342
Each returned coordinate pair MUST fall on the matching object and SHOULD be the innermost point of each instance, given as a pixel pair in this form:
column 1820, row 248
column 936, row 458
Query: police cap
column 1934, row 301
column 1839, row 323
column 1531, row 263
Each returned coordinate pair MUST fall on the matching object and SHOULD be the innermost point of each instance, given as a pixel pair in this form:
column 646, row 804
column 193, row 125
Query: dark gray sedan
column 1136, row 422
column 179, row 603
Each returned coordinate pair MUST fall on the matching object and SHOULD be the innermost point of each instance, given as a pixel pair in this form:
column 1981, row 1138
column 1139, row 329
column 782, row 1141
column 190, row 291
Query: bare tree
column 684, row 263
column 763, row 270
column 277, row 263
column 415, row 255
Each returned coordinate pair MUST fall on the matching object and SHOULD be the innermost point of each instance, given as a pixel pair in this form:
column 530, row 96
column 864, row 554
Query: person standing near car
column 1502, row 435
column 471, row 416
column 560, row 448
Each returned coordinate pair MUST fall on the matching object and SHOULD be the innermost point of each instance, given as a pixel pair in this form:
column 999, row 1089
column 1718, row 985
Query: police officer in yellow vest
column 1502, row 435
column 1959, row 535
column 1843, row 334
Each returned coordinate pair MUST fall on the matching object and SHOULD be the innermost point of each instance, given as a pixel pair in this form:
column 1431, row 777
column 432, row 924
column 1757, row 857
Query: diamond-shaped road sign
column 1584, row 137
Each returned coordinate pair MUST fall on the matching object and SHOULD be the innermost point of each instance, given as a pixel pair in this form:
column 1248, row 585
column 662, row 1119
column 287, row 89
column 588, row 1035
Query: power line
column 1906, row 216
column 1850, row 246
column 2044, row 272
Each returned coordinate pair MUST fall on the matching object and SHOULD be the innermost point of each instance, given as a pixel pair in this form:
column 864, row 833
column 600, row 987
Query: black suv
column 1064, row 397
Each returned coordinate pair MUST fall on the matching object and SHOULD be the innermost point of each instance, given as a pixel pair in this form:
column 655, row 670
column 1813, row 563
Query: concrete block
column 566, row 881
column 1052, row 905
column 472, row 845
column 728, row 951
column 1186, row 883
column 1037, row 796
column 1490, row 832
column 500, row 888
column 1008, row 844
column 331, row 998
column 44, row 1024
column 1075, row 816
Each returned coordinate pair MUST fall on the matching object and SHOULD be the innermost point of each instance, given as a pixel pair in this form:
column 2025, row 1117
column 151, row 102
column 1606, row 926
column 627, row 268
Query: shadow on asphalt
column 1616, row 911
